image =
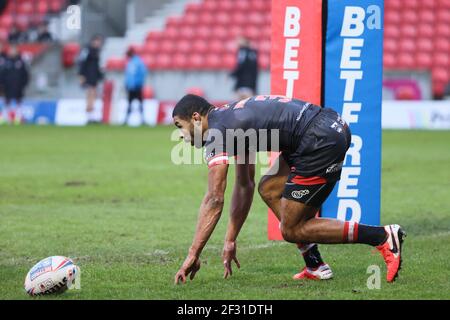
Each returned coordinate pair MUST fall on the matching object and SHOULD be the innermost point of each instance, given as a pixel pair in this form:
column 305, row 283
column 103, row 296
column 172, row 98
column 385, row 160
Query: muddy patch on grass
column 79, row 183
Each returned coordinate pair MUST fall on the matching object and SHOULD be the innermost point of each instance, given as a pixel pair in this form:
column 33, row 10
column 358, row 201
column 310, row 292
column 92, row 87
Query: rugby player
column 313, row 142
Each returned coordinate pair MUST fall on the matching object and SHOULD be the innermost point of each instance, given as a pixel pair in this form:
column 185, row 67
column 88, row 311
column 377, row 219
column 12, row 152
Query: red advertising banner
column 296, row 59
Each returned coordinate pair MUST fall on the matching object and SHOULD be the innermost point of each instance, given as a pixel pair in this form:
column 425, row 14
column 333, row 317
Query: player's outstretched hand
column 190, row 266
column 229, row 255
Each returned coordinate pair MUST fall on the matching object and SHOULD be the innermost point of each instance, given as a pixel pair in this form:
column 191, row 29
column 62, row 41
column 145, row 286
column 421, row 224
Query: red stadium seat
column 390, row 45
column 223, row 18
column 203, row 32
column 220, row 32
column 409, row 16
column 212, row 61
column 424, row 60
column 154, row 36
column 196, row 61
column 426, row 16
column 206, row 18
column 6, row 21
column 409, row 30
column 260, row 5
column 443, row 30
column 226, row 5
column 405, row 93
column 42, row 7
column 70, row 52
column 391, row 32
column 229, row 61
column 173, row 22
column 180, row 61
column 256, row 18
column 187, row 32
column 425, row 45
column 426, row 31
column 393, row 4
column 236, row 31
column 3, row 35
column 439, row 88
column 211, row 6
column 22, row 22
column 116, row 64
column 406, row 60
column 171, row 33
column 392, row 17
column 199, row 46
column 429, row 4
column 238, row 18
column 242, row 5
column 193, row 7
column 189, row 19
column 167, row 46
column 444, row 4
column 407, row 45
column 184, row 46
column 148, row 92
column 56, row 5
column 151, row 47
column 216, row 46
column 440, row 74
column 265, row 46
column 443, row 15
column 442, row 45
column 25, row 8
column 149, row 61
column 163, row 61
column 442, row 60
column 264, row 61
column 411, row 4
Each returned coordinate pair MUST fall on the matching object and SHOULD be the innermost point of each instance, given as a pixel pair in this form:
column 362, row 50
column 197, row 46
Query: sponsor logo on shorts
column 335, row 167
column 299, row 194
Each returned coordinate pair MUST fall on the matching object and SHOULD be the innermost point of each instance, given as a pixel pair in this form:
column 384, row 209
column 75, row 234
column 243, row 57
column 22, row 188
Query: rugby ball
column 51, row 275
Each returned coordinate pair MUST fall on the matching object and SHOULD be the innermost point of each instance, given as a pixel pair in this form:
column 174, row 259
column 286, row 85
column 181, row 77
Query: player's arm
column 210, row 212
column 241, row 202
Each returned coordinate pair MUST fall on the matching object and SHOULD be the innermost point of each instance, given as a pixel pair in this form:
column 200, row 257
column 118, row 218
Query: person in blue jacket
column 135, row 74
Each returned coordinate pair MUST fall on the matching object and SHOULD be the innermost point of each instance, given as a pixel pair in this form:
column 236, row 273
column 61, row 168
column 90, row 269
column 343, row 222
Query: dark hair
column 189, row 104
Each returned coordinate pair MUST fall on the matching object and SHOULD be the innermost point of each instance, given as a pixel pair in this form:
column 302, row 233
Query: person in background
column 15, row 79
column 90, row 73
column 447, row 92
column 16, row 36
column 43, row 35
column 3, row 58
column 246, row 70
column 135, row 74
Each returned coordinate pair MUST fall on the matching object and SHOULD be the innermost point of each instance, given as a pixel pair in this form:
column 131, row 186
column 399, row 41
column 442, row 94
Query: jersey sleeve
column 215, row 148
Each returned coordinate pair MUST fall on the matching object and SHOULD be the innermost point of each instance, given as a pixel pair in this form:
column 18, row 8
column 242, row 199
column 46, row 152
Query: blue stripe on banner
column 353, row 87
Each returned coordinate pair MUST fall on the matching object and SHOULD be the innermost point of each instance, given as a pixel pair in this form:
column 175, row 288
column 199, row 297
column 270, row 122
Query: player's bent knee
column 265, row 191
column 294, row 234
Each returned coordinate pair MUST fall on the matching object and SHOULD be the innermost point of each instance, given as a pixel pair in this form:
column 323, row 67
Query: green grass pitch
column 110, row 198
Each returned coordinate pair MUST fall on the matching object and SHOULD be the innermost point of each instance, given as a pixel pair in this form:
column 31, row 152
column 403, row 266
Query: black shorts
column 135, row 94
column 317, row 163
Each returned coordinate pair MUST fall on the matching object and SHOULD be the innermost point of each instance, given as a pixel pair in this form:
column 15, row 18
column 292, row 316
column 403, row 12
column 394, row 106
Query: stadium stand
column 26, row 14
column 201, row 38
column 417, row 37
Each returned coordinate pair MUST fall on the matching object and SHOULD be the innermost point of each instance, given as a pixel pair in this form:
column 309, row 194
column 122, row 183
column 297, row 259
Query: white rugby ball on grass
column 51, row 275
